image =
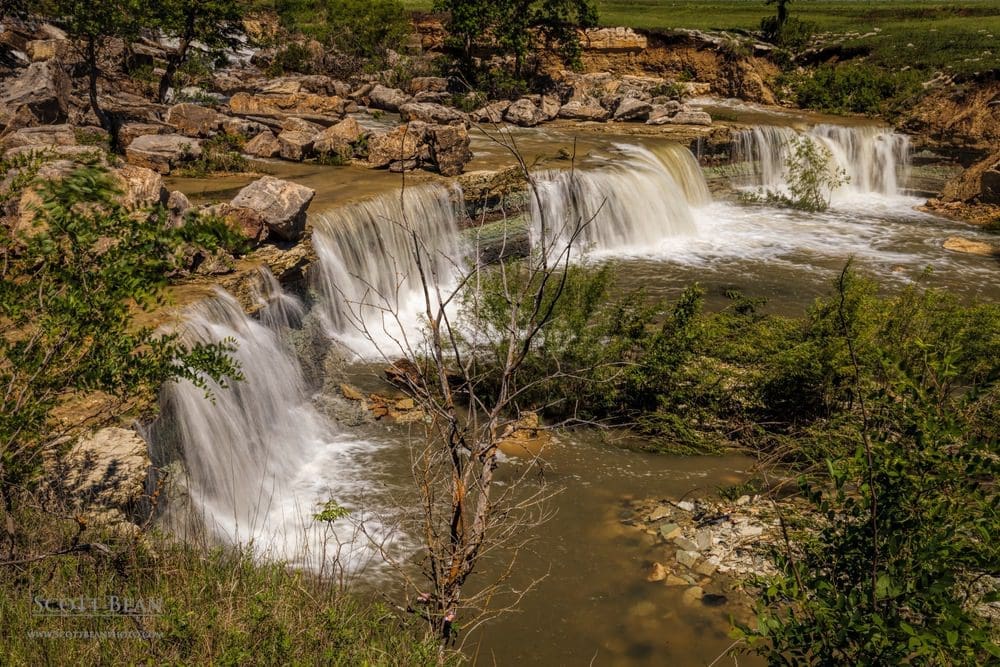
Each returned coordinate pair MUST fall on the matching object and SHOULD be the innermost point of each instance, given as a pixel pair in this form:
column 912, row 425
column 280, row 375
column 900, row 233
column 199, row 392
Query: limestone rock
column 656, row 573
column 248, row 222
column 525, row 437
column 387, row 99
column 292, row 104
column 524, row 113
column 669, row 531
column 971, row 247
column 449, row 145
column 582, row 110
column 549, row 106
column 693, row 595
column 491, row 113
column 397, row 145
column 241, row 127
column 295, row 124
column 978, row 184
column 108, row 469
column 431, row 113
column 37, row 97
column 264, row 145
column 162, row 152
column 129, row 131
column 295, row 144
column 691, row 118
column 688, row 558
column 178, row 206
column 193, row 120
column 44, row 135
column 631, row 108
column 339, row 138
column 616, row 39
column 282, row 204
column 141, row 187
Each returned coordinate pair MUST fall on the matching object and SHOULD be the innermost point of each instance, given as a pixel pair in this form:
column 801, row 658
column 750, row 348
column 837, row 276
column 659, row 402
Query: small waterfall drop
column 260, row 458
column 368, row 272
column 875, row 159
column 634, row 203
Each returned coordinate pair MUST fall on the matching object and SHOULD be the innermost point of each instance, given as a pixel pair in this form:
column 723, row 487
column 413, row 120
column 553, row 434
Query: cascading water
column 368, row 278
column 260, row 458
column 634, row 203
column 875, row 159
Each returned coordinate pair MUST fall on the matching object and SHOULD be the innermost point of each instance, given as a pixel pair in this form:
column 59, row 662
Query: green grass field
column 957, row 36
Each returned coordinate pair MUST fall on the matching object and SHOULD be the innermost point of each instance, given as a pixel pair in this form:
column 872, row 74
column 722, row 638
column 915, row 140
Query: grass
column 215, row 607
column 961, row 37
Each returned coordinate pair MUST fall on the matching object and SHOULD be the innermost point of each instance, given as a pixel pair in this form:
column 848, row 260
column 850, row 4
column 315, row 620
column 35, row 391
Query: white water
column 369, row 278
column 260, row 458
column 876, row 160
column 637, row 199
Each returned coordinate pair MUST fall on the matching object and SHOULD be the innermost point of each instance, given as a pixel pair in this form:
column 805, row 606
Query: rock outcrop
column 281, row 204
column 387, row 99
column 39, row 96
column 979, row 184
column 339, row 138
column 431, row 113
column 108, row 469
column 193, row 120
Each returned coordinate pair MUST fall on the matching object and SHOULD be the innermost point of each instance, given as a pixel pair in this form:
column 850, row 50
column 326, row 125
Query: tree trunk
column 92, row 73
column 175, row 60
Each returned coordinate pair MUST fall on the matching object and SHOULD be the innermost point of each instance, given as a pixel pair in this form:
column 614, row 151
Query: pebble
column 686, row 506
column 670, row 530
column 703, row 538
column 706, row 568
column 743, row 500
column 674, row 580
column 659, row 513
column 693, row 594
column 688, row 558
column 657, row 572
column 685, row 544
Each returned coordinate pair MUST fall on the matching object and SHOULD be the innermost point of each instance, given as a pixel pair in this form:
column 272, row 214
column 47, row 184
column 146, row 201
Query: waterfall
column 875, row 159
column 260, row 458
column 368, row 277
column 633, row 203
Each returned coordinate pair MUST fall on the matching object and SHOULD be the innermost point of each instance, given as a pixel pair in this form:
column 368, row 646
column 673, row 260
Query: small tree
column 213, row 23
column 93, row 24
column 812, row 176
column 782, row 15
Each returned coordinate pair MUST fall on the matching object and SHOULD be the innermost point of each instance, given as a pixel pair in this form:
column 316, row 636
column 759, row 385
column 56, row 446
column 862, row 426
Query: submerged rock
column 971, row 247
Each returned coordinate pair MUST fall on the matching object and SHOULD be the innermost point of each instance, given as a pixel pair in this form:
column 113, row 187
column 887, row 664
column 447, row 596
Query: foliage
column 293, row 58
column 65, row 319
column 692, row 380
column 852, row 88
column 812, row 178
column 213, row 24
column 510, row 28
column 219, row 607
column 794, row 33
column 909, row 523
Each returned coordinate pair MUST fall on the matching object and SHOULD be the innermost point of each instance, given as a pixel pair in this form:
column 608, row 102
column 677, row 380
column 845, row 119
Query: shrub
column 794, row 33
column 853, row 88
column 293, row 58
column 221, row 153
column 812, row 178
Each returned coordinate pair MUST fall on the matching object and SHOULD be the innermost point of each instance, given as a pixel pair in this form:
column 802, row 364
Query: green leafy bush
column 220, row 153
column 852, row 88
column 812, row 178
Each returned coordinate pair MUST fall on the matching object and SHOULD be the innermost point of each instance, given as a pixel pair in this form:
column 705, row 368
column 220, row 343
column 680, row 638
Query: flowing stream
column 264, row 454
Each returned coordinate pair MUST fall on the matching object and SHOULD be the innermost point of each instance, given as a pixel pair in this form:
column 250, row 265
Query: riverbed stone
column 691, row 118
column 193, row 120
column 661, row 512
column 296, row 145
column 584, row 110
column 971, row 246
column 339, row 138
column 431, row 113
column 703, row 538
column 524, row 113
column 282, row 204
column 264, row 145
column 449, row 147
column 398, row 145
column 491, row 113
column 685, row 544
column 631, row 108
column 669, row 531
column 693, row 595
column 387, row 99
column 656, row 573
column 688, row 558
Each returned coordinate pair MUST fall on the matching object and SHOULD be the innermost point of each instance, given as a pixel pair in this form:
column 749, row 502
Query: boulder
column 264, row 145
column 295, row 104
column 691, row 118
column 695, row 88
column 162, row 152
column 300, row 125
column 141, row 187
column 282, row 204
column 398, row 145
column 241, row 127
column 194, row 120
column 971, row 247
column 296, row 144
column 491, row 113
column 177, row 206
column 431, row 113
column 524, row 113
column 549, row 106
column 339, row 138
column 37, row 97
column 387, row 99
column 583, row 110
column 631, row 108
column 979, row 184
column 129, row 131
column 61, row 50
column 449, row 146
column 660, row 114
column 109, row 469
column 249, row 223
column 428, row 84
column 44, row 135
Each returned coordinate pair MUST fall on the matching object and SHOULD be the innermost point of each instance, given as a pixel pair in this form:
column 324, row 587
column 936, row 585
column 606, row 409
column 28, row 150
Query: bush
column 812, row 178
column 794, row 33
column 221, row 153
column 293, row 58
column 852, row 88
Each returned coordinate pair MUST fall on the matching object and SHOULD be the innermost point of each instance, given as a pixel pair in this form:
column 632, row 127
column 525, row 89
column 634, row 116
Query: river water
column 267, row 452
